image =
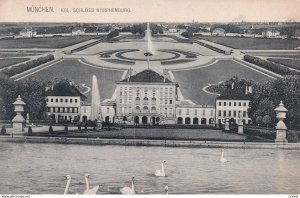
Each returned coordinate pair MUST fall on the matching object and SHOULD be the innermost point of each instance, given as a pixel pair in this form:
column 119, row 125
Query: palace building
column 146, row 98
column 233, row 104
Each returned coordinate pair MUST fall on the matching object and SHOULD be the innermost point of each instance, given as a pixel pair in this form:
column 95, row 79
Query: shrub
column 267, row 134
column 274, row 67
column 292, row 136
column 50, row 129
column 28, row 65
column 29, row 130
column 3, row 130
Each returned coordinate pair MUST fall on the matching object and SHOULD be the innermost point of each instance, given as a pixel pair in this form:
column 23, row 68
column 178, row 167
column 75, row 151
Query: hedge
column 274, row 67
column 28, row 65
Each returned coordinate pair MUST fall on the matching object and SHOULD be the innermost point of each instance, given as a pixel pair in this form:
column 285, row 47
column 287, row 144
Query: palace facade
column 148, row 98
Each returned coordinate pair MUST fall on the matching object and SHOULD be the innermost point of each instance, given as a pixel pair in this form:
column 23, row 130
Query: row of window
column 232, row 113
column 62, row 109
column 189, row 120
column 233, row 104
column 195, row 112
column 145, row 109
column 66, row 100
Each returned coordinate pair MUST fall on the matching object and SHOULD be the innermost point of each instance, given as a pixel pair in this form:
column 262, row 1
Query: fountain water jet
column 96, row 103
column 150, row 48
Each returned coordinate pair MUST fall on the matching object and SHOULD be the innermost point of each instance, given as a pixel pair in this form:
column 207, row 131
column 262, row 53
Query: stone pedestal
column 18, row 121
column 99, row 125
column 27, row 118
column 281, row 127
column 240, row 129
column 281, row 132
column 227, row 125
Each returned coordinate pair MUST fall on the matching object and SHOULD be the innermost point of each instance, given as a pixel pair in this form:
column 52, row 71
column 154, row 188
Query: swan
column 161, row 173
column 89, row 191
column 128, row 190
column 166, row 190
column 68, row 184
column 223, row 159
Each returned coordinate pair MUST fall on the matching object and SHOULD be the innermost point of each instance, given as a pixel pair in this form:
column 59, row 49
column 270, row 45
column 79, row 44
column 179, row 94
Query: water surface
column 40, row 169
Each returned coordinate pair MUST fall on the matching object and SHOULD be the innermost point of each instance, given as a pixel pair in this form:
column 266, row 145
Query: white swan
column 223, row 159
column 128, row 190
column 68, row 184
column 166, row 190
column 161, row 173
column 89, row 191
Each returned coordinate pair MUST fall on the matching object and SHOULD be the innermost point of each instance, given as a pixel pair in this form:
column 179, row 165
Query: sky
column 151, row 10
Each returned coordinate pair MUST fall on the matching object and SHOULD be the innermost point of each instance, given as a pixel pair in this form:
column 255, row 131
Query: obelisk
column 96, row 103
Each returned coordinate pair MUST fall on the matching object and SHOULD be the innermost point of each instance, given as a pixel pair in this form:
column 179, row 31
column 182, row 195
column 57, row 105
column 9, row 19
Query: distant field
column 253, row 43
column 294, row 63
column 191, row 82
column 11, row 61
column 47, row 42
column 81, row 73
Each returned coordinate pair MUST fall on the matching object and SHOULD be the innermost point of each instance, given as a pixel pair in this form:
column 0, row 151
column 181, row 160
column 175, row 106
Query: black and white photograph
column 111, row 97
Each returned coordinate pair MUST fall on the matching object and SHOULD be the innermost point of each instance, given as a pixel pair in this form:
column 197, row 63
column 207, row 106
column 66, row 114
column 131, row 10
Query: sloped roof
column 147, row 76
column 63, row 89
column 233, row 94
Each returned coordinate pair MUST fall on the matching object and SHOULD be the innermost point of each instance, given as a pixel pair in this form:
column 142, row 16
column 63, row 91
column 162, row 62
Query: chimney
column 164, row 78
column 246, row 90
column 232, row 85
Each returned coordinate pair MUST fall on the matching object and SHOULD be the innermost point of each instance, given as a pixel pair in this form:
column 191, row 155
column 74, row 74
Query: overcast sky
column 153, row 10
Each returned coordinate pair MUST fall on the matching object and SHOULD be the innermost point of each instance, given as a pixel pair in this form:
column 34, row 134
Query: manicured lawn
column 16, row 55
column 158, row 133
column 174, row 62
column 11, row 61
column 282, row 56
column 81, row 73
column 47, row 42
column 191, row 82
column 254, row 43
column 117, row 61
column 294, row 63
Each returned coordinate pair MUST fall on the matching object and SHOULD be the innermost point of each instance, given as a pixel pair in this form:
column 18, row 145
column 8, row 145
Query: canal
column 38, row 168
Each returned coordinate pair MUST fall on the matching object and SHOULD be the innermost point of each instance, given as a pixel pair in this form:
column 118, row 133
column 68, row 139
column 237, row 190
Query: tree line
column 28, row 65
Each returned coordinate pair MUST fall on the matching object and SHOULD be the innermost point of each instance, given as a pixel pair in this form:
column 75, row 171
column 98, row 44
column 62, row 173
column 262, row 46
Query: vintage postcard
column 194, row 97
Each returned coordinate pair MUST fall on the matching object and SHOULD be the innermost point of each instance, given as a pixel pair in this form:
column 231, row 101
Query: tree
column 258, row 120
column 113, row 34
column 267, row 120
column 187, row 34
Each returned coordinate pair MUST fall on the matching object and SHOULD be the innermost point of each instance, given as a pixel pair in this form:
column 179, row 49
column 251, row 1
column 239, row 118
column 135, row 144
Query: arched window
column 179, row 120
column 137, row 108
column 146, row 99
column 137, row 98
column 203, row 120
column 153, row 108
column 187, row 120
column 195, row 121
